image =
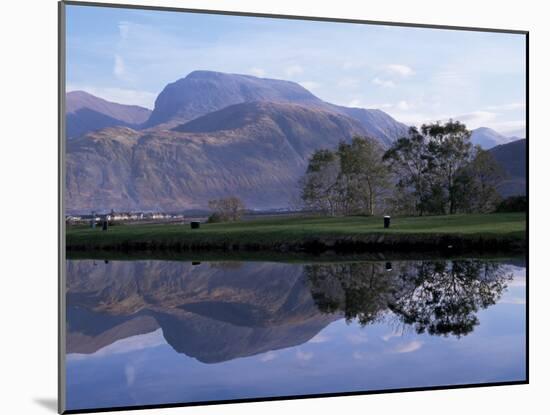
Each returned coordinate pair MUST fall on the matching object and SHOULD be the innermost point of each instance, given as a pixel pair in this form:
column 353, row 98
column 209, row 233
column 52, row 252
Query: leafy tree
column 408, row 158
column 226, row 209
column 476, row 185
column 320, row 190
column 449, row 152
column 443, row 172
column 364, row 173
column 349, row 180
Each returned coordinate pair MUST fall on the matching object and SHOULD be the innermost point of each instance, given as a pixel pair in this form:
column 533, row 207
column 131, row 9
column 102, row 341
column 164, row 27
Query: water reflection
column 219, row 311
column 154, row 332
column 437, row 297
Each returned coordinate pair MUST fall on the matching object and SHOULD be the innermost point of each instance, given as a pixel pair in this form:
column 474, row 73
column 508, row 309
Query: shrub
column 513, row 204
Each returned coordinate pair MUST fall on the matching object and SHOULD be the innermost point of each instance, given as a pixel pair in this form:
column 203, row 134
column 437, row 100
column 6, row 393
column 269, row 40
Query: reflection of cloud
column 389, row 336
column 305, row 356
column 320, row 338
column 267, row 357
column 123, row 29
column 513, row 300
column 119, row 68
column 129, row 344
column 408, row 347
column 360, row 338
column 130, row 373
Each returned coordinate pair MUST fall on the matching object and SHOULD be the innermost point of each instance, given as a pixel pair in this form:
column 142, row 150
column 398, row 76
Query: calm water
column 155, row 332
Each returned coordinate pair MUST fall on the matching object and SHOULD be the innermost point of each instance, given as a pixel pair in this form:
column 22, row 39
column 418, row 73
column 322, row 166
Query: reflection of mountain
column 211, row 312
column 220, row 311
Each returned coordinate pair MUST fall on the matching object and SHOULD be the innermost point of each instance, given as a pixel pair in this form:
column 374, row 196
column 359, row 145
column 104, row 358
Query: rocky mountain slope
column 512, row 157
column 256, row 150
column 202, row 92
column 86, row 112
column 488, row 138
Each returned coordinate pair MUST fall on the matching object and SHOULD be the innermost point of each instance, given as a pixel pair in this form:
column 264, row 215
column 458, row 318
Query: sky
column 416, row 75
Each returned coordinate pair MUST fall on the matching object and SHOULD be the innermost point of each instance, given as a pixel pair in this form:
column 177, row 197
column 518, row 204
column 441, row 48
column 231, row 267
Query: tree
column 485, row 174
column 320, row 184
column 408, row 159
column 347, row 181
column 449, row 151
column 226, row 209
column 364, row 173
column 443, row 171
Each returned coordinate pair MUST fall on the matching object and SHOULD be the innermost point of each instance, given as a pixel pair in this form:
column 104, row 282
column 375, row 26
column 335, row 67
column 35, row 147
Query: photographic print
column 265, row 207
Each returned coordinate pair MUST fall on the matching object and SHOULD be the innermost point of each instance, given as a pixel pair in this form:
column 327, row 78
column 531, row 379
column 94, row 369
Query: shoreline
column 315, row 235
column 441, row 243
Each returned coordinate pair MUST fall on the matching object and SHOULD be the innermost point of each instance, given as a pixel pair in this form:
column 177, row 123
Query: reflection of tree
column 359, row 290
column 438, row 297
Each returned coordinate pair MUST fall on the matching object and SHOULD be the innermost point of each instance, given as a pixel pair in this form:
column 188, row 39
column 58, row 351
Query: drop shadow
column 48, row 403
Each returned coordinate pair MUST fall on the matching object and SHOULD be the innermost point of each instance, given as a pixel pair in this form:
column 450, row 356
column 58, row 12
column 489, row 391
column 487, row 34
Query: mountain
column 255, row 150
column 86, row 112
column 512, row 157
column 202, row 92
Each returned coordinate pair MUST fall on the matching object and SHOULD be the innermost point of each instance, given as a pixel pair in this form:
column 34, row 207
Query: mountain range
column 209, row 135
column 86, row 112
column 512, row 157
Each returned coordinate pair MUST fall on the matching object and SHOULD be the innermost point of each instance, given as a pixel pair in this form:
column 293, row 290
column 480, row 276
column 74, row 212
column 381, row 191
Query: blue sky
column 416, row 75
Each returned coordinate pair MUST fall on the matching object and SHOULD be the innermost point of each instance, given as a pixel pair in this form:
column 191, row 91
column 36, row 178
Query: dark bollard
column 195, row 225
column 388, row 266
column 105, row 225
column 387, row 221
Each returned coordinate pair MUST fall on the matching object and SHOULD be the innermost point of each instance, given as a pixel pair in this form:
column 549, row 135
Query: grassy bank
column 504, row 231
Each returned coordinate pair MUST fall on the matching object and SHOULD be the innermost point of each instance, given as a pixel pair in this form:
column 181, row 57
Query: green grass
column 296, row 229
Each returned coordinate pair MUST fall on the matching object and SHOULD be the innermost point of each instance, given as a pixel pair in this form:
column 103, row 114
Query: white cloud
column 399, row 70
column 408, row 347
column 119, row 69
column 268, row 357
column 294, row 70
column 118, row 95
column 359, row 355
column 383, row 83
column 304, row 356
column 309, row 84
column 403, row 106
column 348, row 83
column 507, row 107
column 259, row 72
